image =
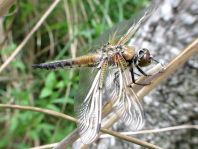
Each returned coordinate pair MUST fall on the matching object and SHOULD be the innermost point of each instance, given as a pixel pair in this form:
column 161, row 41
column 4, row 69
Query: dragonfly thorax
column 109, row 51
column 128, row 53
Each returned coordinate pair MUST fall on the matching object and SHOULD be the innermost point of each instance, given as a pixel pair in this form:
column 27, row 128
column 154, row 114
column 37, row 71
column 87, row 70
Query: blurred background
column 71, row 29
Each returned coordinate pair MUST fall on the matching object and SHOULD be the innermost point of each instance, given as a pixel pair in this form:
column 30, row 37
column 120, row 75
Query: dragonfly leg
column 141, row 71
column 133, row 77
column 137, row 74
column 116, row 77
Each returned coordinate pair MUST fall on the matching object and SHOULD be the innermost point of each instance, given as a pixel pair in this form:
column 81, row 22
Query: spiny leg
column 137, row 74
column 133, row 77
column 116, row 77
column 141, row 71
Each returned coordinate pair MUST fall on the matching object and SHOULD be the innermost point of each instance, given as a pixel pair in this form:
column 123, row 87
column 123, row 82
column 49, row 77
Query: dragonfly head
column 143, row 58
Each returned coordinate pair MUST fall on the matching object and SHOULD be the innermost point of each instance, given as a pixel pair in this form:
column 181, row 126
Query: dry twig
column 158, row 130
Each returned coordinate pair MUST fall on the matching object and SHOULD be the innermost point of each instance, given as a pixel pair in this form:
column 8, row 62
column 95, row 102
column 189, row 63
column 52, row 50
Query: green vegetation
column 72, row 25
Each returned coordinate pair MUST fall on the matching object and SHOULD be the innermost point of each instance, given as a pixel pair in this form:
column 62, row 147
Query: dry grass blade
column 131, row 139
column 44, row 146
column 158, row 130
column 67, row 140
column 46, row 111
column 34, row 29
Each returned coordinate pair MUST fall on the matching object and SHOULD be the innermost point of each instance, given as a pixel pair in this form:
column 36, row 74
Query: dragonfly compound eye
column 144, row 58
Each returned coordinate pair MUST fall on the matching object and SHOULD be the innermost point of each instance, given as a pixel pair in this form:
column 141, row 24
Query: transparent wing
column 89, row 110
column 128, row 106
column 125, row 28
column 111, row 85
column 134, row 25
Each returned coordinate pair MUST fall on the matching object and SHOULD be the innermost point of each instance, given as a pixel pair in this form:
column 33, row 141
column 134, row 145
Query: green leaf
column 53, row 107
column 45, row 93
column 70, row 100
column 50, row 80
column 8, row 49
column 18, row 64
column 33, row 134
column 59, row 100
column 14, row 123
column 64, row 100
column 60, row 84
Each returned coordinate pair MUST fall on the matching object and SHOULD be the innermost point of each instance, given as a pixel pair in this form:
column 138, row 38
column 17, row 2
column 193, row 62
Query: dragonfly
column 112, row 73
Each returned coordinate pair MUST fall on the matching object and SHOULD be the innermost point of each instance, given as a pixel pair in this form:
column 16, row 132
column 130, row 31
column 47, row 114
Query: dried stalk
column 67, row 140
column 41, row 110
column 158, row 130
column 131, row 139
column 44, row 146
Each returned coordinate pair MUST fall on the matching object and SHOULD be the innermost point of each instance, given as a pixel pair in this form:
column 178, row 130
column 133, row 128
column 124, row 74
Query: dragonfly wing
column 125, row 28
column 111, row 85
column 134, row 24
column 128, row 106
column 89, row 111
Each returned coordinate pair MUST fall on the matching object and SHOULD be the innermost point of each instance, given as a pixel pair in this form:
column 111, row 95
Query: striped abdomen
column 82, row 61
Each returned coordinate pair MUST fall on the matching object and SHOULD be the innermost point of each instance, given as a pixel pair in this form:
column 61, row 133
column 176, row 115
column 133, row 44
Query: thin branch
column 36, row 109
column 189, row 51
column 45, row 146
column 131, row 139
column 34, row 29
column 67, row 140
column 64, row 116
column 158, row 130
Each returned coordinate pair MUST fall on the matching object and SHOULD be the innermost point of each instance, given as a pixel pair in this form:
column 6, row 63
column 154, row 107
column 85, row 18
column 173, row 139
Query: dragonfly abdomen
column 82, row 61
column 53, row 65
